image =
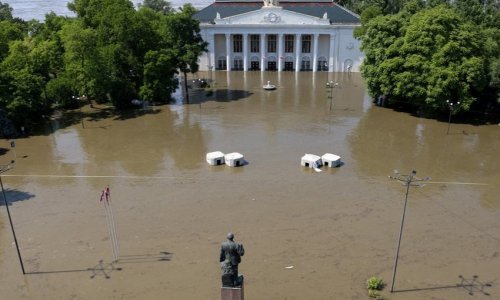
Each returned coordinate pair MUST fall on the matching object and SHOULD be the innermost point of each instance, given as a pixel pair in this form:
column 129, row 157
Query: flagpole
column 113, row 233
column 113, row 226
column 110, row 230
column 108, row 222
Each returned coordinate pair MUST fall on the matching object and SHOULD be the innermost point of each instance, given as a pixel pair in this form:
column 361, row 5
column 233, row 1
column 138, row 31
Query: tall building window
column 306, row 43
column 289, row 43
column 237, row 43
column 254, row 43
column 271, row 43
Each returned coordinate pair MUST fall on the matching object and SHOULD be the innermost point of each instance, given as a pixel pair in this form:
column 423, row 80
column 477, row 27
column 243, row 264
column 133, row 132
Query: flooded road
column 336, row 228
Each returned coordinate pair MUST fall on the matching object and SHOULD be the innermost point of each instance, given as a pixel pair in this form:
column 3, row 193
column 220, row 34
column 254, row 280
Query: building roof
column 316, row 8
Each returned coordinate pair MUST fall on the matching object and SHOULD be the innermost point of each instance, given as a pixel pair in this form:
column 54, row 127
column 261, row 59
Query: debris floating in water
column 289, row 267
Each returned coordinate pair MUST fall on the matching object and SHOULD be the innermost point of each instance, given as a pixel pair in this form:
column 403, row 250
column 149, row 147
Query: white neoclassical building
column 289, row 35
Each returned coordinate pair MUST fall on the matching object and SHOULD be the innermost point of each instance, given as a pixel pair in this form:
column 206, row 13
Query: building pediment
column 272, row 16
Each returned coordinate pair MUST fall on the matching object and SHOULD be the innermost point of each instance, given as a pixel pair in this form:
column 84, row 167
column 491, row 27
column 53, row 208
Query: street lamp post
column 452, row 108
column 77, row 99
column 210, row 68
column 330, row 85
column 4, row 168
column 407, row 180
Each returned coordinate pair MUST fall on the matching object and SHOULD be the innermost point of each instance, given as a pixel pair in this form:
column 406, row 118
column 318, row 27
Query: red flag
column 108, row 194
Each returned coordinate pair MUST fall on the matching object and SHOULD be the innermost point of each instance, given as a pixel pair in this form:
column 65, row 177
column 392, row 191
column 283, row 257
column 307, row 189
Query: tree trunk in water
column 186, row 87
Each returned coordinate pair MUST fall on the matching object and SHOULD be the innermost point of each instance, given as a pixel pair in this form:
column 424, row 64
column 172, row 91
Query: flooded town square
column 307, row 234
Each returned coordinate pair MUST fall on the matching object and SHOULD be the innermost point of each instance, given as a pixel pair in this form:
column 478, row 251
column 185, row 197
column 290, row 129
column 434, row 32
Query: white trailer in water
column 215, row 158
column 311, row 161
column 234, row 159
column 331, row 160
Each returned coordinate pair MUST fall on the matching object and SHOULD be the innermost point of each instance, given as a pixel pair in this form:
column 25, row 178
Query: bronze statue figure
column 230, row 257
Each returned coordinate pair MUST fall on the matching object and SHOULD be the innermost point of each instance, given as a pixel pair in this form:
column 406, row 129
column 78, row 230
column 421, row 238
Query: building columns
column 280, row 52
column 262, row 52
column 329, row 43
column 228, row 52
column 298, row 51
column 211, row 51
column 245, row 51
column 315, row 56
column 332, row 53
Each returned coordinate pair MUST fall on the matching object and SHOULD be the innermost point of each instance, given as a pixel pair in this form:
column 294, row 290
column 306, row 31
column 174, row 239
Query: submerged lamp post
column 452, row 109
column 77, row 99
column 4, row 168
column 330, row 85
column 406, row 180
column 210, row 68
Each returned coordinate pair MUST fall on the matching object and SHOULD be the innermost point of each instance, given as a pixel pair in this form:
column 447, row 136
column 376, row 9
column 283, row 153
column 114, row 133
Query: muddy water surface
column 336, row 228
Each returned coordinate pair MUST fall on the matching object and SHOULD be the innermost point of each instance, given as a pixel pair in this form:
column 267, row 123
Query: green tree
column 9, row 31
column 159, row 72
column 5, row 12
column 82, row 60
column 21, row 86
column 367, row 14
column 160, row 6
column 403, row 61
column 61, row 91
column 425, row 60
column 182, row 36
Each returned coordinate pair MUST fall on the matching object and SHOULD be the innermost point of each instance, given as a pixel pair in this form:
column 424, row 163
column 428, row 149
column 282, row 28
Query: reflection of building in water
column 289, row 35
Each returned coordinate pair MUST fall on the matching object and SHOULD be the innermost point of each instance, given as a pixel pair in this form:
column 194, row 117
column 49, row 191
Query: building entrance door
column 288, row 66
column 254, row 66
column 271, row 66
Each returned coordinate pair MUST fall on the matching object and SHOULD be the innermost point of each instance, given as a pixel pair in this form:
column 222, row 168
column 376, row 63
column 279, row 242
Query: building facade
column 289, row 35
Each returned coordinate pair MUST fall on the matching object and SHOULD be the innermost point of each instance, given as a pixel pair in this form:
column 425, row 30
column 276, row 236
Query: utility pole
column 406, row 180
column 5, row 168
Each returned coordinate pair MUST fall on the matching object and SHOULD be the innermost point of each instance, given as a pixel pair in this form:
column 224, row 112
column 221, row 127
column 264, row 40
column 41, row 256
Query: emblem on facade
column 272, row 18
column 270, row 3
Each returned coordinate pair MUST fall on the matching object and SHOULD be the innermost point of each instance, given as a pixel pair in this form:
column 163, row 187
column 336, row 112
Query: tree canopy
column 109, row 52
column 428, row 53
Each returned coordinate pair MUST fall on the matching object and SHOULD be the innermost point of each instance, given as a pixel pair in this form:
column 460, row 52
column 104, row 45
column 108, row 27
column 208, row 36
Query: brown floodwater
column 336, row 228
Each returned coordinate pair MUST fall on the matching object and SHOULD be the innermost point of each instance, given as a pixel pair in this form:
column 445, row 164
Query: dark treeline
column 419, row 54
column 110, row 52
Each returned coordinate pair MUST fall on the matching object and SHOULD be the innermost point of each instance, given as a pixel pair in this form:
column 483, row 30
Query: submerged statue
column 230, row 257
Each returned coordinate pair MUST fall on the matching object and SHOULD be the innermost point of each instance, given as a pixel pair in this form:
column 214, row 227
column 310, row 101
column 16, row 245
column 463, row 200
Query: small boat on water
column 269, row 86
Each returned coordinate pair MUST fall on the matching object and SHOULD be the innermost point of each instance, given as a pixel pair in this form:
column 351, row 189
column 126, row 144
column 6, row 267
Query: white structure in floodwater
column 286, row 35
column 331, row 160
column 215, row 158
column 234, row 159
column 311, row 161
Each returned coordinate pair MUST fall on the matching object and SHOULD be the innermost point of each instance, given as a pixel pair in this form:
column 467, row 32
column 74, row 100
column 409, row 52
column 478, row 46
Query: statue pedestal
column 232, row 293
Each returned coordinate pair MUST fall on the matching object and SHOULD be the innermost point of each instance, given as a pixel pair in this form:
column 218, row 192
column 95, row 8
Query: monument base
column 232, row 293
